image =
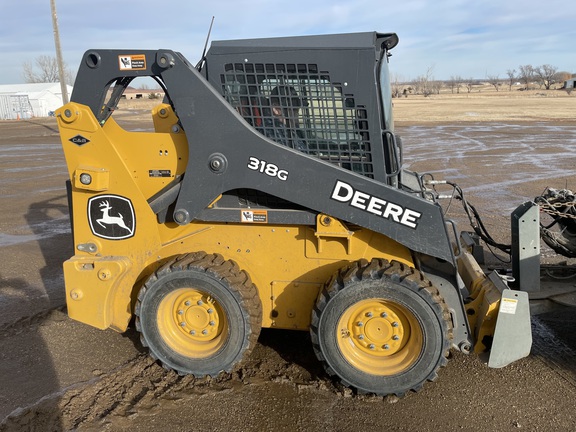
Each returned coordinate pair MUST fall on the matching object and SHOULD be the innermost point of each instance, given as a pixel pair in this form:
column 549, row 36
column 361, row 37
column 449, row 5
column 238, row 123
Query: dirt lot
column 57, row 374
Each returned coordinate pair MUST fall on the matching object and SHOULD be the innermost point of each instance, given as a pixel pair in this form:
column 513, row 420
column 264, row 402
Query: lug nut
column 371, row 346
column 369, row 314
column 383, row 314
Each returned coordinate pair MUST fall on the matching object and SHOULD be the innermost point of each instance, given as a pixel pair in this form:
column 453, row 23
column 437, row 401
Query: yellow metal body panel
column 283, row 261
column 292, row 303
column 482, row 311
column 96, row 291
column 287, row 264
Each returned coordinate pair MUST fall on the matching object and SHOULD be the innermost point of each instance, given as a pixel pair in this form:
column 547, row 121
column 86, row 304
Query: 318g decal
column 267, row 168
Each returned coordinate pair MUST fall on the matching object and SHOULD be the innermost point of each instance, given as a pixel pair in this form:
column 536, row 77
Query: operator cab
column 330, row 108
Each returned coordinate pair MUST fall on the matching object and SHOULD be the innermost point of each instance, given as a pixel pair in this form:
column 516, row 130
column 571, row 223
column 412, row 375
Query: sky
column 443, row 38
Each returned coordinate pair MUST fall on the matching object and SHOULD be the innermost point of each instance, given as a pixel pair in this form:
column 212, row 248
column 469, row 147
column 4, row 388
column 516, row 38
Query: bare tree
column 422, row 84
column 545, row 75
column 562, row 76
column 494, row 80
column 44, row 70
column 436, row 86
column 511, row 77
column 454, row 83
column 469, row 84
column 526, row 75
column 396, row 86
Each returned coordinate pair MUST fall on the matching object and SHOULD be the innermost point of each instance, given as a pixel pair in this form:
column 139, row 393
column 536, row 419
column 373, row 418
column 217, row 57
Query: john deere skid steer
column 271, row 194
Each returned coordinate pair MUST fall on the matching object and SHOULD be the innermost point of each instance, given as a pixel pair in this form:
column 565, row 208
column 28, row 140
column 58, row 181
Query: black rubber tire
column 230, row 288
column 400, row 285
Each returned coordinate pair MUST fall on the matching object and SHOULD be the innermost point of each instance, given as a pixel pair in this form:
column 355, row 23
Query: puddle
column 495, row 161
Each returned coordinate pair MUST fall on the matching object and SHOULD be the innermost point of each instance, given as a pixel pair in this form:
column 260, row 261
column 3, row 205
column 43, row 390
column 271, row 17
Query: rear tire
column 199, row 314
column 381, row 327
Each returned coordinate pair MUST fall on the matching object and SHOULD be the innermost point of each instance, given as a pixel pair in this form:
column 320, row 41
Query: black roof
column 339, row 41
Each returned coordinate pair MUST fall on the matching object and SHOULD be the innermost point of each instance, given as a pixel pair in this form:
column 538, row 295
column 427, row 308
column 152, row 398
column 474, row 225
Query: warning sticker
column 254, row 216
column 132, row 62
column 508, row 306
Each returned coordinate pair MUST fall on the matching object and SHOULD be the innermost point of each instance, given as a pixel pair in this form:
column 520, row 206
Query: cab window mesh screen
column 298, row 106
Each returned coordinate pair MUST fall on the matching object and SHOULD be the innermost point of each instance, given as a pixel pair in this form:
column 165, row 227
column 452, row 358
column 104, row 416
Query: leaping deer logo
column 111, row 220
column 111, row 217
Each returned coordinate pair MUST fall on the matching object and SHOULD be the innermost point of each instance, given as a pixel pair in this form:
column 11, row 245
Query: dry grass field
column 486, row 104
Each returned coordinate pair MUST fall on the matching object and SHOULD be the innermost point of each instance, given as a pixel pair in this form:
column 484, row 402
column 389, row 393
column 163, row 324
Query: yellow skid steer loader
column 272, row 194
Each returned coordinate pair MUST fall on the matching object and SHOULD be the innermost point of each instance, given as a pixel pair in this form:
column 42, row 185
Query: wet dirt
column 58, row 374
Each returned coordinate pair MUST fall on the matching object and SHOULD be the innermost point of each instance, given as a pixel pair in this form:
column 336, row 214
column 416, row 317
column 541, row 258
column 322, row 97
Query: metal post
column 525, row 222
column 61, row 75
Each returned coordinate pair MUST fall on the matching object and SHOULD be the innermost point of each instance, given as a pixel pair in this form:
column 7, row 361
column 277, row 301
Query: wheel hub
column 193, row 323
column 379, row 337
column 377, row 329
column 197, row 316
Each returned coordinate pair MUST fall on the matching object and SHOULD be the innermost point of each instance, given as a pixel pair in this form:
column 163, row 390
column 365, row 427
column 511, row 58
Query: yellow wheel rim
column 192, row 323
column 379, row 337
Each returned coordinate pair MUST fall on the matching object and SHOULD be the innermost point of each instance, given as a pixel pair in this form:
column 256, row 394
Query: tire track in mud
column 69, row 407
column 137, row 384
column 142, row 385
column 553, row 351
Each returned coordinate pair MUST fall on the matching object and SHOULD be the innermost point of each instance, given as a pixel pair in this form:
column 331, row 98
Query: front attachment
column 513, row 334
column 499, row 317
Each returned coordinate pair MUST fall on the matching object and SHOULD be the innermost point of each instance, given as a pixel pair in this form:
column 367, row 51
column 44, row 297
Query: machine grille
column 298, row 106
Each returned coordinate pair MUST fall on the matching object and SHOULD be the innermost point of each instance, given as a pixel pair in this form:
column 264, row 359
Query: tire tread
column 376, row 269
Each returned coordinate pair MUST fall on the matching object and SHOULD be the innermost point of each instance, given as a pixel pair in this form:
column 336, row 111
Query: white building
column 14, row 107
column 43, row 98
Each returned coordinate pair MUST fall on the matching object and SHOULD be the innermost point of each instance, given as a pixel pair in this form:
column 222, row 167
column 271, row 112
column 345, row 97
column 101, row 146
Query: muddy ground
column 57, row 374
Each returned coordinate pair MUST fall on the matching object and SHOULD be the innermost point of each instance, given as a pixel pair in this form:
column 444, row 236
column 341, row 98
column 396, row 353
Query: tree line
column 528, row 76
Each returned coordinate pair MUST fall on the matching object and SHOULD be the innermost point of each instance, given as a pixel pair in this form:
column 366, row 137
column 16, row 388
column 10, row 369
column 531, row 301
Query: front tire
column 199, row 314
column 381, row 327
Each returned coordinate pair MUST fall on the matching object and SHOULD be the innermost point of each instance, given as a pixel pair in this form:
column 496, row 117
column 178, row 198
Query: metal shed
column 15, row 107
column 42, row 98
